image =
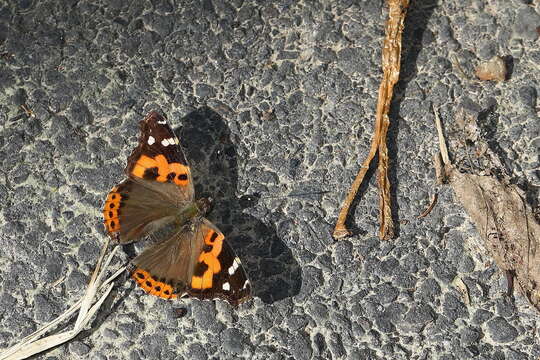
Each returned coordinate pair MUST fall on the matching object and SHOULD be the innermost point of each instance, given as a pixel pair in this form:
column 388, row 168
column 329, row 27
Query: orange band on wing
column 164, row 171
column 152, row 286
column 110, row 211
column 210, row 258
column 215, row 240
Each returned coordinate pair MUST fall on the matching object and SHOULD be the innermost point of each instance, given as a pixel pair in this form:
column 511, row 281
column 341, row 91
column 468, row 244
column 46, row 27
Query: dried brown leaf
column 506, row 223
column 507, row 226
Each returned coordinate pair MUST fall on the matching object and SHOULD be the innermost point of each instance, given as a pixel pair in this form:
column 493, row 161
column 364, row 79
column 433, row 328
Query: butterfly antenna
column 293, row 194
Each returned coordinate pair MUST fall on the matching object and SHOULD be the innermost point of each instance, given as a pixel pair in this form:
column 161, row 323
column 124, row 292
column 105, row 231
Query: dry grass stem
column 442, row 142
column 440, row 174
column 30, row 345
column 460, row 69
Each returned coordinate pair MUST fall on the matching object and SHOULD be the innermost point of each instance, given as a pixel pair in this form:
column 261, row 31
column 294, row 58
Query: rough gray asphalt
column 273, row 98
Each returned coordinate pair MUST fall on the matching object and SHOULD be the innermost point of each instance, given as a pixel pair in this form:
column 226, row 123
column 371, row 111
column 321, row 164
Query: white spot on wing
column 226, row 286
column 245, row 284
column 234, row 266
column 162, row 122
column 164, row 142
column 151, row 140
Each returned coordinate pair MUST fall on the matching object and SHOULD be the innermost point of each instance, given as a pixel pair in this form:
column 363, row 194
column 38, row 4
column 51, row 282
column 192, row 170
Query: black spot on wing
column 200, row 269
column 207, row 248
column 151, row 173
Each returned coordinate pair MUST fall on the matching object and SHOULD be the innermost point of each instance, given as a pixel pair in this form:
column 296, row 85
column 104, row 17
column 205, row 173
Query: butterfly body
column 194, row 259
column 192, row 212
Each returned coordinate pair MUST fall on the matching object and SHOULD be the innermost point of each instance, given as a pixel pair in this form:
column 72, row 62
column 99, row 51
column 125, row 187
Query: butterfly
column 194, row 259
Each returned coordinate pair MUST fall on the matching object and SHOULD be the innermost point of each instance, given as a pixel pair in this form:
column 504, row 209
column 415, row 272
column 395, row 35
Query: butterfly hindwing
column 159, row 156
column 196, row 261
column 164, row 269
column 219, row 272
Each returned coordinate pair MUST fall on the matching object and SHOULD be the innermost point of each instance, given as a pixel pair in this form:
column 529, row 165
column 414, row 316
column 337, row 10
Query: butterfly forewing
column 132, row 211
column 159, row 157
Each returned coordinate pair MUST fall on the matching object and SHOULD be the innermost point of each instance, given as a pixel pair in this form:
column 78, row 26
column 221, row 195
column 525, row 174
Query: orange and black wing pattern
column 218, row 272
column 159, row 156
column 159, row 182
column 197, row 262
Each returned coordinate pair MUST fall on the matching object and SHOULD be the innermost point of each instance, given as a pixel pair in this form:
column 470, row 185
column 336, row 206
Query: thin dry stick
column 429, row 208
column 92, row 285
column 28, row 339
column 391, row 58
column 442, row 143
column 55, row 340
column 30, row 346
column 460, row 69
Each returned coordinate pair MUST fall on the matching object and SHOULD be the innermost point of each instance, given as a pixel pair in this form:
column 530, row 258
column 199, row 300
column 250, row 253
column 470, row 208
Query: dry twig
column 391, row 58
column 460, row 69
column 429, row 208
column 28, row 111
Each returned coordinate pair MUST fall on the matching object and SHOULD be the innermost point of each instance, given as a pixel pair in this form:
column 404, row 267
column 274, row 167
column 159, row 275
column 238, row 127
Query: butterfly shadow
column 206, row 139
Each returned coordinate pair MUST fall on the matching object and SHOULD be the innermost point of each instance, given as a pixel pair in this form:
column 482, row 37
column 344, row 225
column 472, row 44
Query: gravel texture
column 275, row 99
